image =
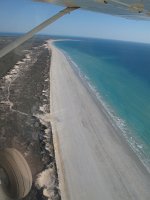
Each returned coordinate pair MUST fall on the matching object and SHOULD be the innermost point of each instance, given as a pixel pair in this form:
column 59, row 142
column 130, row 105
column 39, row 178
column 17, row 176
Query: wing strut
column 31, row 33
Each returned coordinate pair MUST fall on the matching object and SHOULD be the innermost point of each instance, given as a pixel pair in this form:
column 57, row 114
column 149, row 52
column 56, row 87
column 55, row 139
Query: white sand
column 94, row 162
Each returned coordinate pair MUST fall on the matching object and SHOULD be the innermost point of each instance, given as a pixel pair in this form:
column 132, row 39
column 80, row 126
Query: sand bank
column 93, row 160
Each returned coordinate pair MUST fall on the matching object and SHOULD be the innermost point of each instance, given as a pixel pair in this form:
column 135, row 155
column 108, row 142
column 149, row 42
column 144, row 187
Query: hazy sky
column 22, row 15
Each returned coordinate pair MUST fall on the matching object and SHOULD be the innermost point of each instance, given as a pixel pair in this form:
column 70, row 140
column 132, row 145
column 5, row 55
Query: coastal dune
column 93, row 159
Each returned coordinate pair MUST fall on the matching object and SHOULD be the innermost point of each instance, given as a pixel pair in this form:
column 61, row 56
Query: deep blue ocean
column 119, row 74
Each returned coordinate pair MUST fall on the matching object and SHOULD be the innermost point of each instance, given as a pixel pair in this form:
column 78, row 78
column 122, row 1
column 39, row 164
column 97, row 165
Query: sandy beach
column 93, row 160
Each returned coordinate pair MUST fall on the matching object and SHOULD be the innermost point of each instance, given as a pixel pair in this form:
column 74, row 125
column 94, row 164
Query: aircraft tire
column 18, row 173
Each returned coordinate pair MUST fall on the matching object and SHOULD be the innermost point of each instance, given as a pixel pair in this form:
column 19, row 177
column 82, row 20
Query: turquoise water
column 119, row 73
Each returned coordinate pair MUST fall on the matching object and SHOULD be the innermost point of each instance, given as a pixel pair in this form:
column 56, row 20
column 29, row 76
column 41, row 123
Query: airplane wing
column 134, row 9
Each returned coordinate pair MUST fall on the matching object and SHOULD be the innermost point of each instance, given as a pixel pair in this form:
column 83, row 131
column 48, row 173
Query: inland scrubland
column 24, row 112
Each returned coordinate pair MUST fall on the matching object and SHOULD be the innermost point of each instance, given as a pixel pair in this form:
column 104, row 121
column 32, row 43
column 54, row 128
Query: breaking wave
column 118, row 123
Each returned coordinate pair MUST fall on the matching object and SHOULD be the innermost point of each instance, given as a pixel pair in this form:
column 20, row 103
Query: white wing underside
column 134, row 9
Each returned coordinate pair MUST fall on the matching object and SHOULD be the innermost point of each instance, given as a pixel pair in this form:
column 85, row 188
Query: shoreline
column 128, row 157
column 104, row 108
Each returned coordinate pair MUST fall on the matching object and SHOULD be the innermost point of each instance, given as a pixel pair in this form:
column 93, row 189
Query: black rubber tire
column 18, row 172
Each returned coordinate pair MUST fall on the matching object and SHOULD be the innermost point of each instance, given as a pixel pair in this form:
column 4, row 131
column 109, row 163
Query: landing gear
column 15, row 174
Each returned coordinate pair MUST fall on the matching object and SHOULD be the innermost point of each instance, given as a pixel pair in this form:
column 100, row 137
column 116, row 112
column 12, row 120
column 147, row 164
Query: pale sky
column 22, row 15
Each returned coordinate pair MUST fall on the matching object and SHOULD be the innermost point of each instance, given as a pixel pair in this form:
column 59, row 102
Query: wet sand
column 93, row 159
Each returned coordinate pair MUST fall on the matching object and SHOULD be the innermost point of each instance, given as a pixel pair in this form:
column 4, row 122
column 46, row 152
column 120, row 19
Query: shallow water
column 119, row 73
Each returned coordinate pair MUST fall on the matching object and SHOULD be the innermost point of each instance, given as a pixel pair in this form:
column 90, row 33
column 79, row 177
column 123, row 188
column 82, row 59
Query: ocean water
column 119, row 74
